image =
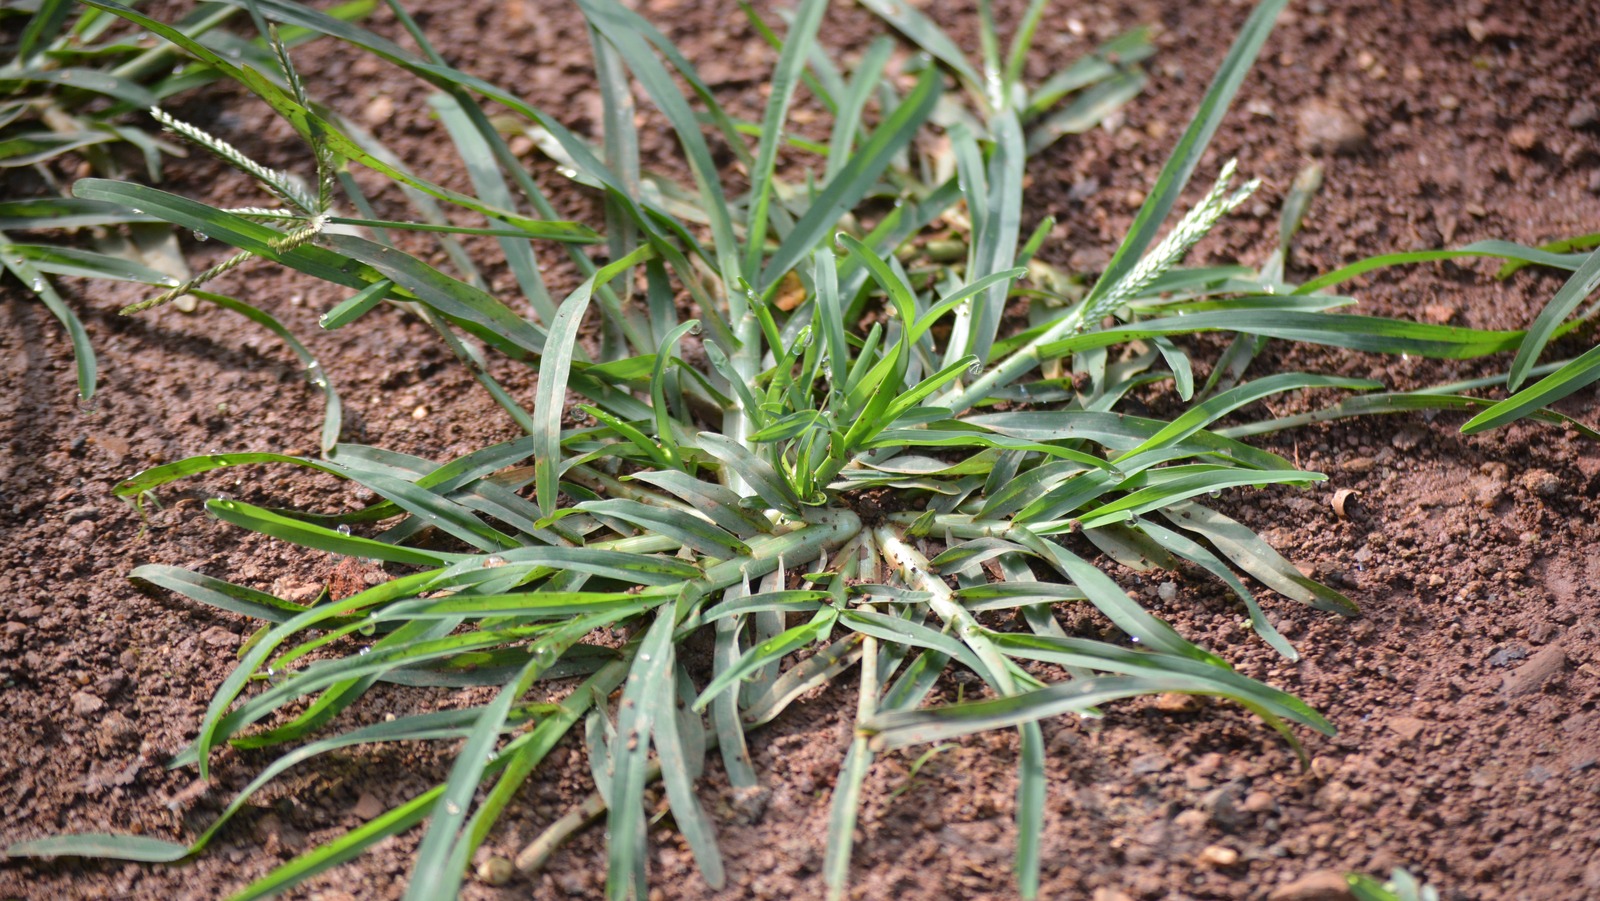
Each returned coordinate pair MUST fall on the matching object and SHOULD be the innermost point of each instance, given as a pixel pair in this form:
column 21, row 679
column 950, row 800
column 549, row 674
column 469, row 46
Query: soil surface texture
column 1465, row 695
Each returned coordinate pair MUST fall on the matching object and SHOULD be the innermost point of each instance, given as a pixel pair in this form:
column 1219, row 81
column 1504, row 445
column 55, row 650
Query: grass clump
column 729, row 497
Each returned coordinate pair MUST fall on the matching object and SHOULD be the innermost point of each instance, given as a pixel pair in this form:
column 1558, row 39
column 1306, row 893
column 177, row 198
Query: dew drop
column 323, row 320
column 452, row 808
column 368, row 628
column 1134, row 639
column 344, row 529
column 1130, row 518
column 644, row 658
column 567, row 171
column 1116, row 474
column 543, row 654
column 364, row 651
column 1215, row 492
column 314, row 374
column 37, row 283
column 136, row 211
column 493, row 560
column 201, row 236
column 491, row 757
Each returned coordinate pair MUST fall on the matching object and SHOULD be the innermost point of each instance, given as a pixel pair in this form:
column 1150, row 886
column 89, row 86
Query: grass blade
column 791, row 63
column 1574, row 376
column 1577, row 288
column 1163, row 195
column 555, row 369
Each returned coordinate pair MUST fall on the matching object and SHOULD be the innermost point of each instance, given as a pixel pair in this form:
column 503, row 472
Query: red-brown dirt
column 1465, row 695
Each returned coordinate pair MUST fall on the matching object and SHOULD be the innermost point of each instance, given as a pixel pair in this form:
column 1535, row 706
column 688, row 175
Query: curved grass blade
column 1195, row 553
column 1244, row 547
column 1163, row 195
column 333, row 416
column 890, row 730
column 1573, row 377
column 1111, row 600
column 555, row 369
column 923, row 32
column 791, row 63
column 678, row 771
column 1201, row 415
column 266, row 522
column 217, row 593
column 694, row 532
column 1103, row 657
column 1582, row 283
column 1158, row 497
column 1365, row 333
column 756, row 472
column 846, row 189
column 82, row 351
column 1500, row 250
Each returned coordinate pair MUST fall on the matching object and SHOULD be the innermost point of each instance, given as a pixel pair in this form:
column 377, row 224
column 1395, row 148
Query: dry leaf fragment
column 1340, row 499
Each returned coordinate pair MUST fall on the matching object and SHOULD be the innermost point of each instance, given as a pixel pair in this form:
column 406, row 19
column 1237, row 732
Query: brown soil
column 1465, row 696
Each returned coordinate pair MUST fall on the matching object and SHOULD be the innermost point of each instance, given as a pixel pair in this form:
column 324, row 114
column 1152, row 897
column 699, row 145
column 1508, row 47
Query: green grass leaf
column 1573, row 377
column 554, row 372
column 1577, row 288
column 1163, row 195
column 845, row 190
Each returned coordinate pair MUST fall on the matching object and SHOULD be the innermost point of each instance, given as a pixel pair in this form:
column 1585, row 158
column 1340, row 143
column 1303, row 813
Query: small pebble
column 495, row 871
column 1177, row 702
column 420, row 413
column 1542, row 482
column 1584, row 114
column 86, row 704
column 1327, row 128
column 1218, row 856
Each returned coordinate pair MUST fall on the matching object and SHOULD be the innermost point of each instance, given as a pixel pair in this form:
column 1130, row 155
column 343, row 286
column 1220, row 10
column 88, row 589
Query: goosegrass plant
column 841, row 460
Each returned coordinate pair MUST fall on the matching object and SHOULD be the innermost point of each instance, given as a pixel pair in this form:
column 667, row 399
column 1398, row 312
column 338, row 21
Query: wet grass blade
column 333, row 415
column 82, row 351
column 256, row 519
